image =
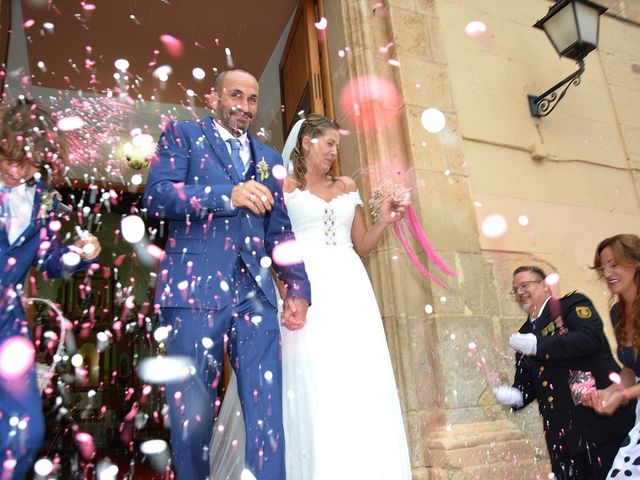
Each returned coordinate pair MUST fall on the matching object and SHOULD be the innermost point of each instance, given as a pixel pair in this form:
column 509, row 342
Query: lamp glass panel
column 588, row 19
column 562, row 29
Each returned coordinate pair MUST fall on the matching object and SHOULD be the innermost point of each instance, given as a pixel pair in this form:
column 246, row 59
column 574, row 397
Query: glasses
column 523, row 286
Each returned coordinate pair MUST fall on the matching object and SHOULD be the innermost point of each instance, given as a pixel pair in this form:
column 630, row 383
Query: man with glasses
column 559, row 338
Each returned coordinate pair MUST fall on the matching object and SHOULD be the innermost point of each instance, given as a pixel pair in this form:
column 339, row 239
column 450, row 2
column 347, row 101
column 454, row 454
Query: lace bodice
column 315, row 220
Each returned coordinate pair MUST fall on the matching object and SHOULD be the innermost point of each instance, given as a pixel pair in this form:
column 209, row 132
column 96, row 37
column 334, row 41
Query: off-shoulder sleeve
column 357, row 199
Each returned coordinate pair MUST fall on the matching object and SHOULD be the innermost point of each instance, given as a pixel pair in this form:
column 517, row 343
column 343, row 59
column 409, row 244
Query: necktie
column 238, row 164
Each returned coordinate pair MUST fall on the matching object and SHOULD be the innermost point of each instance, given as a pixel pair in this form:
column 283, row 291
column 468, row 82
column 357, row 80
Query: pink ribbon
column 421, row 237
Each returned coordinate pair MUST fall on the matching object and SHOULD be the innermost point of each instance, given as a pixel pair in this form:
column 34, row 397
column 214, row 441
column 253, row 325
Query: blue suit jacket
column 190, row 184
column 37, row 246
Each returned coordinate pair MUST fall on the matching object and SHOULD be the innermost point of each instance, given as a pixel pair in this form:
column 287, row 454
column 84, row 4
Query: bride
column 342, row 416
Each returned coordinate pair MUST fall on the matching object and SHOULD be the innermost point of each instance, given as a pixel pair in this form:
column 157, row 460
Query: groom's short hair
column 220, row 78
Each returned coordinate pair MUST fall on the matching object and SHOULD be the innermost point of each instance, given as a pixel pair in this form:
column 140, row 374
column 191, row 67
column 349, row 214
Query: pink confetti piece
column 172, row 45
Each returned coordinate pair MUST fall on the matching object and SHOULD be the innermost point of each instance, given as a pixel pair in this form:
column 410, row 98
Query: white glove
column 526, row 343
column 508, row 396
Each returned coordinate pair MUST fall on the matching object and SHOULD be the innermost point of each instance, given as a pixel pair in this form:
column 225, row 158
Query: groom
column 213, row 181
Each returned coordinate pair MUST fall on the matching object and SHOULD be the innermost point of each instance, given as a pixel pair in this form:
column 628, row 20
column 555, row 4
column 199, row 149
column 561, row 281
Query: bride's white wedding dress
column 342, row 416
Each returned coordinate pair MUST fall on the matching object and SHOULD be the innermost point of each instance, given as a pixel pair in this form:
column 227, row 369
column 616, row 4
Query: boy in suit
column 31, row 155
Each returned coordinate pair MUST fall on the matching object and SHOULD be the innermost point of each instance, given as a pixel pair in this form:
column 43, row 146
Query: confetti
column 433, row 120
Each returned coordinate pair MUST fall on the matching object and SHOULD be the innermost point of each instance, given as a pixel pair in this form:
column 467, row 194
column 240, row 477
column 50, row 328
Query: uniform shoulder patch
column 583, row 312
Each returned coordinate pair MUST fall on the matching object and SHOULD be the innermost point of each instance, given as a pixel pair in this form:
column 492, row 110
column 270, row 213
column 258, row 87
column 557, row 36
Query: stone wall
column 573, row 175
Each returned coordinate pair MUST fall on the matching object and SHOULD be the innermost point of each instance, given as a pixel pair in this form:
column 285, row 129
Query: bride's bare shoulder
column 348, row 183
column 290, row 184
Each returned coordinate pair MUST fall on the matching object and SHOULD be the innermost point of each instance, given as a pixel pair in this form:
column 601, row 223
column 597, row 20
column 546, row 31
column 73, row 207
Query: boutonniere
column 46, row 202
column 263, row 170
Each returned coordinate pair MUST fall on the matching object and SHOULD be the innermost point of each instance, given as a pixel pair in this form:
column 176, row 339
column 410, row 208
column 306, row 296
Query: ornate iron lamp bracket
column 543, row 104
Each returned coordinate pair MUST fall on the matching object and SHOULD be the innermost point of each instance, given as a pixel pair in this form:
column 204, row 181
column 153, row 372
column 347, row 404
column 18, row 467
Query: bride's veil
column 290, row 144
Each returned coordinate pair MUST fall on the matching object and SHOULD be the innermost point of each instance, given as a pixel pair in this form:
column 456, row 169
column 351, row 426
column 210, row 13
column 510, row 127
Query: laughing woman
column 617, row 261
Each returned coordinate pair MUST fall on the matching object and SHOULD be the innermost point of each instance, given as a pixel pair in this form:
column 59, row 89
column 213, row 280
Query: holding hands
column 252, row 195
column 607, row 401
column 294, row 315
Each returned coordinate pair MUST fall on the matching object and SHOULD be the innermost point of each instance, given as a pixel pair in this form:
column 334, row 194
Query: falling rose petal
column 287, row 253
column 43, row 467
column 29, row 23
column 475, row 29
column 433, row 120
column 89, row 7
column 67, row 124
column 87, row 447
column 132, row 228
column 174, row 47
column 105, row 470
column 494, row 226
column 71, row 259
column 162, row 72
column 144, row 141
column 393, row 62
column 122, row 64
column 472, row 348
column 279, row 172
column 552, row 279
column 152, row 447
column 265, row 262
column 372, row 102
column 198, row 73
column 164, row 369
column 615, row 378
column 321, row 24
column 16, row 357
column 161, row 334
column 155, row 252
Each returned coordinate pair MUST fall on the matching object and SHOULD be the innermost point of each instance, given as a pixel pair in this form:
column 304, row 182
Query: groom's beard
column 235, row 120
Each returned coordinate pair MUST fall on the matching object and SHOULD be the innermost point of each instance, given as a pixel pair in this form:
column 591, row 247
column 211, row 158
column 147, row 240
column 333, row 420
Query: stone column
column 454, row 427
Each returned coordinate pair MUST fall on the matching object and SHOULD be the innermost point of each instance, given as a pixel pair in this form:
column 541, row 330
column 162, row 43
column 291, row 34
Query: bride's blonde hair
column 314, row 125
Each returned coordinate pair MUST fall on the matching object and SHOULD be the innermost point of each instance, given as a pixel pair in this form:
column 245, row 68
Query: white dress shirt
column 19, row 210
column 245, row 152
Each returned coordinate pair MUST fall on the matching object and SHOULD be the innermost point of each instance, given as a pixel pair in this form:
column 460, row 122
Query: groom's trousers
column 248, row 330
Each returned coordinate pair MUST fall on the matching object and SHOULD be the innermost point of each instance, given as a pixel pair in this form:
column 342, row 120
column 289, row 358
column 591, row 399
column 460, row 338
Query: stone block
column 425, row 83
column 409, row 32
column 626, row 104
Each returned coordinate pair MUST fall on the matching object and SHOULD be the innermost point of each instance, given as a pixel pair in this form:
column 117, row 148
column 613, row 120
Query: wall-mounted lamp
column 572, row 27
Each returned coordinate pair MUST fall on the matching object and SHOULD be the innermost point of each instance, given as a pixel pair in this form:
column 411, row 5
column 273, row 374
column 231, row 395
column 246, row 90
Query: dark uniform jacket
column 570, row 337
